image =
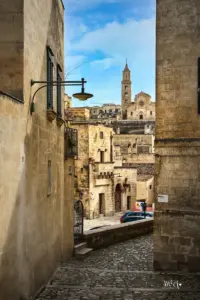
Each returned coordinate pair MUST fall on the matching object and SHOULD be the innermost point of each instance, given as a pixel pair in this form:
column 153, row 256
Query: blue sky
column 99, row 36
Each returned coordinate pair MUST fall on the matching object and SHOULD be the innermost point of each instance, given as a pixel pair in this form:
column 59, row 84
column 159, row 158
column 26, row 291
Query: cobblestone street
column 120, row 272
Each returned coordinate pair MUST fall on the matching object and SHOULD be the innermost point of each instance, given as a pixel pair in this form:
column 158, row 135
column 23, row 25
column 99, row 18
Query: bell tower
column 126, row 91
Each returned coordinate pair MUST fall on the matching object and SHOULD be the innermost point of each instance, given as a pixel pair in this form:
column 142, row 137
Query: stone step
column 82, row 253
column 79, row 247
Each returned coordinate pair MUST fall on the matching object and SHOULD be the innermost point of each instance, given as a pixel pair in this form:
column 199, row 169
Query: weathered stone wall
column 82, row 163
column 130, row 147
column 11, row 47
column 80, row 113
column 176, row 230
column 127, row 176
column 34, row 217
column 145, row 189
column 97, row 144
column 105, row 237
column 68, row 209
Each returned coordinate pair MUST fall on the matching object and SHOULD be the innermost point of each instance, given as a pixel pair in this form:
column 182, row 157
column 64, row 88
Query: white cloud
column 121, row 40
column 103, row 63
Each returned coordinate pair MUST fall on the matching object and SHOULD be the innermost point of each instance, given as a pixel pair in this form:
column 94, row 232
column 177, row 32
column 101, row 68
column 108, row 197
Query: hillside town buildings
column 113, row 170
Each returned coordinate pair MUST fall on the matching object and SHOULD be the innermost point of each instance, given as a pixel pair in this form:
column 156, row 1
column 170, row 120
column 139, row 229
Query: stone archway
column 118, row 198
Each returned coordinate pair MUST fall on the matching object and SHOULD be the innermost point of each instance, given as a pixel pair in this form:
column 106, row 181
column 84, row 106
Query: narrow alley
column 120, row 272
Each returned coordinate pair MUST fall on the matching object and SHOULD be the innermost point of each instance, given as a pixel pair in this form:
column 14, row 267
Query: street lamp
column 82, row 96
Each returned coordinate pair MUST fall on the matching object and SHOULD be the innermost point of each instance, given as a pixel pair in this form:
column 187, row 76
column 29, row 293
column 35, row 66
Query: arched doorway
column 118, row 193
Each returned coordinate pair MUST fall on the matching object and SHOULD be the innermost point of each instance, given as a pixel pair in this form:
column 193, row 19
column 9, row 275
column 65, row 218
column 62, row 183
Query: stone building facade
column 107, row 113
column 134, row 148
column 177, row 173
column 142, row 108
column 104, row 186
column 36, row 202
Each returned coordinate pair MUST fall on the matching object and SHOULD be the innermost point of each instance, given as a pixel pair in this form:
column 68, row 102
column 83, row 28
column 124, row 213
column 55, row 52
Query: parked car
column 131, row 216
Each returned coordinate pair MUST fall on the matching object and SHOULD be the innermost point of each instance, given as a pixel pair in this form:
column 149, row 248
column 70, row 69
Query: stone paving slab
column 120, row 272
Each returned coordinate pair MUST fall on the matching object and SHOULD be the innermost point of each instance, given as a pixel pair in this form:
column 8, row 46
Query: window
column 150, row 187
column 59, row 93
column 128, row 202
column 126, row 87
column 131, row 113
column 151, row 113
column 142, row 149
column 101, row 134
column 101, row 156
column 141, row 117
column 116, row 110
column 82, row 170
column 49, row 179
column 49, row 79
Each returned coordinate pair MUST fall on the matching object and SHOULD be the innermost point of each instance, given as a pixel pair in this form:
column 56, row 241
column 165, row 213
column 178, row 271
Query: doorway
column 128, row 202
column 101, row 204
column 101, row 156
column 118, row 194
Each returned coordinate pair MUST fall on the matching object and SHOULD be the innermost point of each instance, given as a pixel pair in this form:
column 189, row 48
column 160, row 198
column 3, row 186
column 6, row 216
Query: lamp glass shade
column 82, row 96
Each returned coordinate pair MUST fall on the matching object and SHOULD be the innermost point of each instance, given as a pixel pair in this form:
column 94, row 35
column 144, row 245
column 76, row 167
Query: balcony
column 107, row 167
column 71, row 142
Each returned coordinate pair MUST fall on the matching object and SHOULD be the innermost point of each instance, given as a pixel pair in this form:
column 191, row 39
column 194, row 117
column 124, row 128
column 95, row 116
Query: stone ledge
column 110, row 235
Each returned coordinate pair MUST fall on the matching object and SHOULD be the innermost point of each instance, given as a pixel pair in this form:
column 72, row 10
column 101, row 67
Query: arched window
column 141, row 117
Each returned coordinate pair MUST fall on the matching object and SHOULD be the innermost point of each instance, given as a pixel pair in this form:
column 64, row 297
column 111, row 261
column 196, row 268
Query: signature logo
column 172, row 284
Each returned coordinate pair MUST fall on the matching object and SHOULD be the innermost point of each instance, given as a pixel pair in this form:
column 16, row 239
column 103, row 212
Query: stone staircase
column 81, row 251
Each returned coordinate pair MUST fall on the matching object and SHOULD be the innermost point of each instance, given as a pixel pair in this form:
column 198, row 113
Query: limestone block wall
column 31, row 153
column 177, row 222
column 11, row 18
column 145, row 189
column 129, row 147
column 68, row 209
column 108, row 205
column 97, row 144
column 82, row 163
column 80, row 113
column 129, row 176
